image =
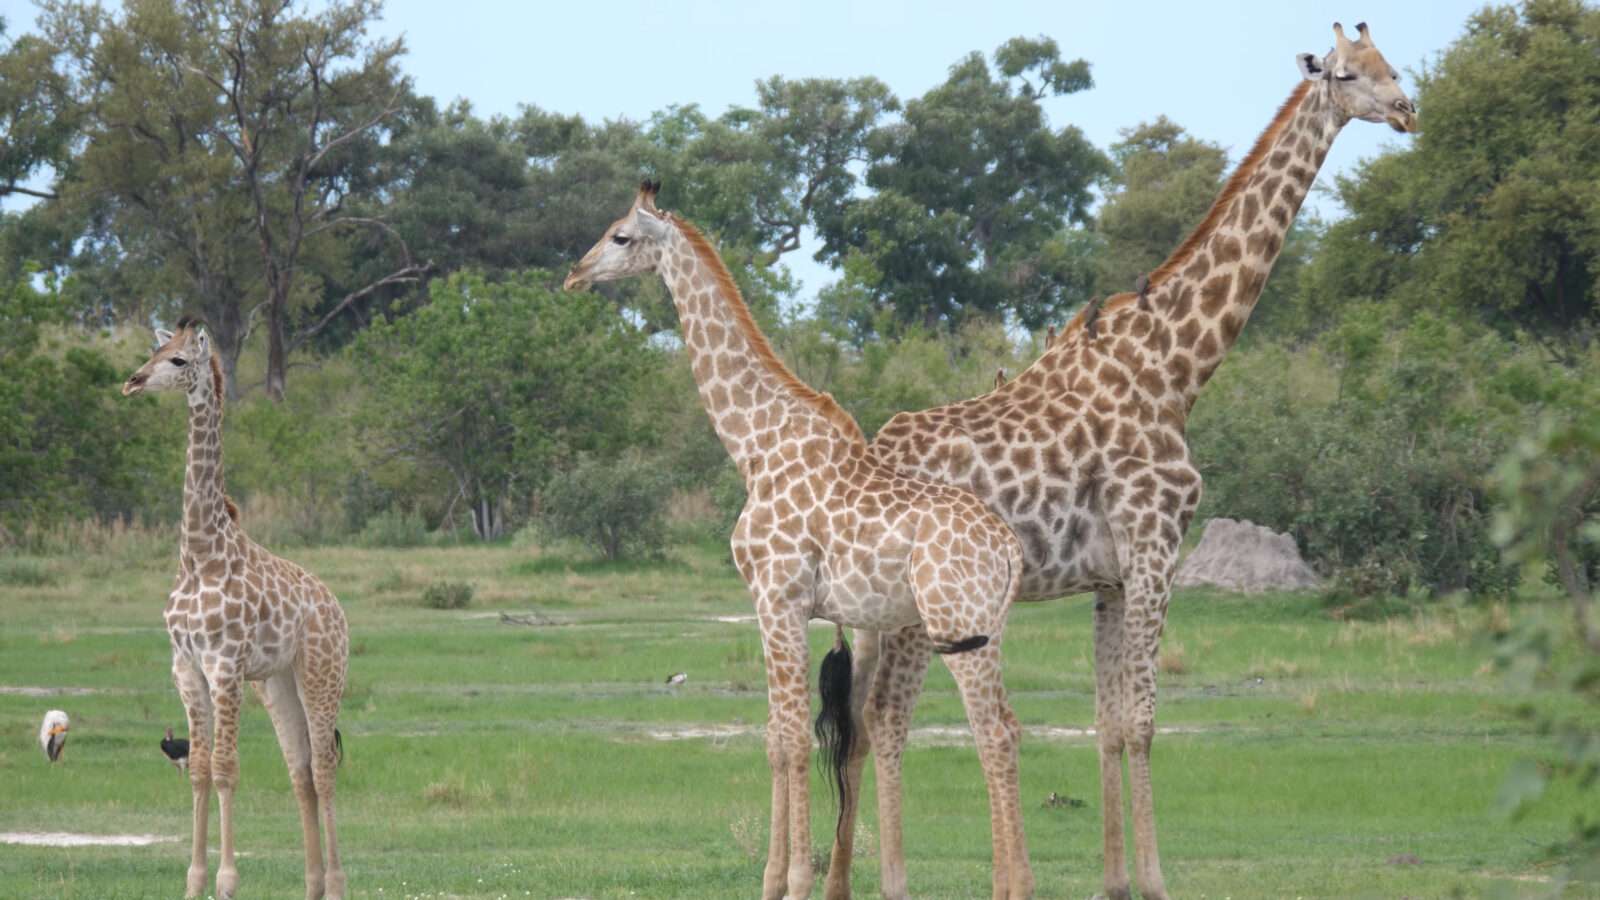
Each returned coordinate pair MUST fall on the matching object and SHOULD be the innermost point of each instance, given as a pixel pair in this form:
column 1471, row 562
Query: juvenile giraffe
column 237, row 614
column 828, row 532
column 1083, row 453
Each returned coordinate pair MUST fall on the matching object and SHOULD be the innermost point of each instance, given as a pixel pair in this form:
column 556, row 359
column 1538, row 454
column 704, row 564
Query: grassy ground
column 1310, row 756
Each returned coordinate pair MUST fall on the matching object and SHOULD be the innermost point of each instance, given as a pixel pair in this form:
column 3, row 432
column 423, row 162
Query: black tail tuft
column 338, row 746
column 835, row 728
column 963, row 645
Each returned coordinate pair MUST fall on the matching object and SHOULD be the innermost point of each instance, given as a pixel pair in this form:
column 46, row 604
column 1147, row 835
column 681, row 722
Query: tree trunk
column 276, row 352
column 486, row 523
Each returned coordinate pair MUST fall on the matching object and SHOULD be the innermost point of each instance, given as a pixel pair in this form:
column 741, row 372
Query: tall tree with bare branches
column 229, row 148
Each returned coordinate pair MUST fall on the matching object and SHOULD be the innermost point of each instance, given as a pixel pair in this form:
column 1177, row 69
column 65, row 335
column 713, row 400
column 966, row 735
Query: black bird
column 176, row 749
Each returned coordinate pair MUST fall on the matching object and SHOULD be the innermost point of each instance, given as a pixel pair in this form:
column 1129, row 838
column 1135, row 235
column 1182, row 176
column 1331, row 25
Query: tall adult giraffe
column 237, row 613
column 1083, row 453
column 828, row 532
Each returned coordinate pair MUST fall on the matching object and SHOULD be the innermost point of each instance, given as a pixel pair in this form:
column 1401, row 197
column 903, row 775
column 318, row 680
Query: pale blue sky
column 1218, row 68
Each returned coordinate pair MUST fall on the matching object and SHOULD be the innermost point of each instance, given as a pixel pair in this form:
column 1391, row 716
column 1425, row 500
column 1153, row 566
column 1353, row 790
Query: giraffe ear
column 1311, row 67
column 162, row 337
column 649, row 224
column 201, row 342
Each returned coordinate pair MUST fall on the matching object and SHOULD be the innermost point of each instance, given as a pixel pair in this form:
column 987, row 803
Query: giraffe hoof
column 227, row 883
column 195, row 886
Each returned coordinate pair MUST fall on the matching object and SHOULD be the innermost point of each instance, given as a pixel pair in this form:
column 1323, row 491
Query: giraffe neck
column 753, row 400
column 1207, row 288
column 205, row 513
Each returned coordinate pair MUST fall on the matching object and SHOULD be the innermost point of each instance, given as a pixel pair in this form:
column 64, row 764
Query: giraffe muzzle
column 133, row 385
column 575, row 281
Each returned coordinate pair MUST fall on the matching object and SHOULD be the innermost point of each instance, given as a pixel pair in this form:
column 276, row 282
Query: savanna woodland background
column 418, row 414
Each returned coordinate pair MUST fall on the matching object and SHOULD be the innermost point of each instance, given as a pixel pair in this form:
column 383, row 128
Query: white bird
column 677, row 678
column 53, row 734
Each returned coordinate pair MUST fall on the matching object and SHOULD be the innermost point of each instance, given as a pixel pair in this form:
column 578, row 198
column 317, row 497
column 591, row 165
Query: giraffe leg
column 998, row 734
column 1147, row 563
column 196, row 696
column 227, row 692
column 788, row 749
column 1108, row 652
column 901, row 668
column 319, row 677
column 864, row 661
column 282, row 700
column 1143, row 644
column 775, row 877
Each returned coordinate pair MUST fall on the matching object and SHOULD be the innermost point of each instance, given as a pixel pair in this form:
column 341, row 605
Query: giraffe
column 828, row 532
column 1083, row 452
column 237, row 613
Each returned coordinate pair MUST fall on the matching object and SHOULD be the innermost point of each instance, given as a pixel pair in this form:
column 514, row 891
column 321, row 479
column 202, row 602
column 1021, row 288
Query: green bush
column 1371, row 446
column 615, row 506
column 393, row 528
column 25, row 573
column 447, row 595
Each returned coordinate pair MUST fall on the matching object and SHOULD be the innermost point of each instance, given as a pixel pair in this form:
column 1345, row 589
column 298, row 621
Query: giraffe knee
column 1110, row 738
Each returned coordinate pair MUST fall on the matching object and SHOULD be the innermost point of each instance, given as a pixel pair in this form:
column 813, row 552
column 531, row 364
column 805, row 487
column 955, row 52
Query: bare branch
column 13, row 188
column 407, row 273
column 388, row 109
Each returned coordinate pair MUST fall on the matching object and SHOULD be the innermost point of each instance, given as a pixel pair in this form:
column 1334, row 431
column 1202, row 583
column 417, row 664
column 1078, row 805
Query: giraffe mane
column 1234, row 186
column 216, row 380
column 818, row 400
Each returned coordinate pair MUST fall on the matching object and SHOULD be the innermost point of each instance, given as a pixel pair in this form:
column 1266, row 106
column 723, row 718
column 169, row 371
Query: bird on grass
column 53, row 734
column 677, row 678
column 177, row 750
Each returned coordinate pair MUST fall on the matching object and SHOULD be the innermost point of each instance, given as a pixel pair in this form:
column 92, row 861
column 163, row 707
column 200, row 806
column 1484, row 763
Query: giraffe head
column 1363, row 83
column 180, row 358
column 631, row 246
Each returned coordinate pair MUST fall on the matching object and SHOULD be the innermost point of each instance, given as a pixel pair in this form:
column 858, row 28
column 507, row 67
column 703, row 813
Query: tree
column 227, row 152
column 971, row 192
column 69, row 446
column 497, row 385
column 1161, row 183
column 301, row 93
column 1489, row 212
column 37, row 115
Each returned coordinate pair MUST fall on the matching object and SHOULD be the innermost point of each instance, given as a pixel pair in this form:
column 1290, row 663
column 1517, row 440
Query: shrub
column 393, row 528
column 616, row 506
column 25, row 573
column 1371, row 446
column 447, row 595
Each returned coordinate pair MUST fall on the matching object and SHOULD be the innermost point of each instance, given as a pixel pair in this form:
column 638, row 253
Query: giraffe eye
column 1348, row 76
column 179, row 361
column 621, row 240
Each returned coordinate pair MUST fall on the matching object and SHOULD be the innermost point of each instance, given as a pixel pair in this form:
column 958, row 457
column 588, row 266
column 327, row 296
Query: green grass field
column 1308, row 756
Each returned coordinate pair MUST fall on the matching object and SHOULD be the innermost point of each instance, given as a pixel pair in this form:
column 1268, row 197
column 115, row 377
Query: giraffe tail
column 338, row 746
column 835, row 728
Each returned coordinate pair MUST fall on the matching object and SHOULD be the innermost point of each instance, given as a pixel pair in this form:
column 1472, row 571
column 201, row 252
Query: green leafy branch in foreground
column 1550, row 518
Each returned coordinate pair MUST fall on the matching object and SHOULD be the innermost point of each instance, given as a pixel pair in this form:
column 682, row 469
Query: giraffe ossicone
column 829, row 532
column 239, row 614
column 1083, row 453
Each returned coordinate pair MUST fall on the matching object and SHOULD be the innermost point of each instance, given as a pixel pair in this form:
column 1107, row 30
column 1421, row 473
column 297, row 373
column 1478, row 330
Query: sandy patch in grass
column 72, row 839
column 925, row 736
column 24, row 691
